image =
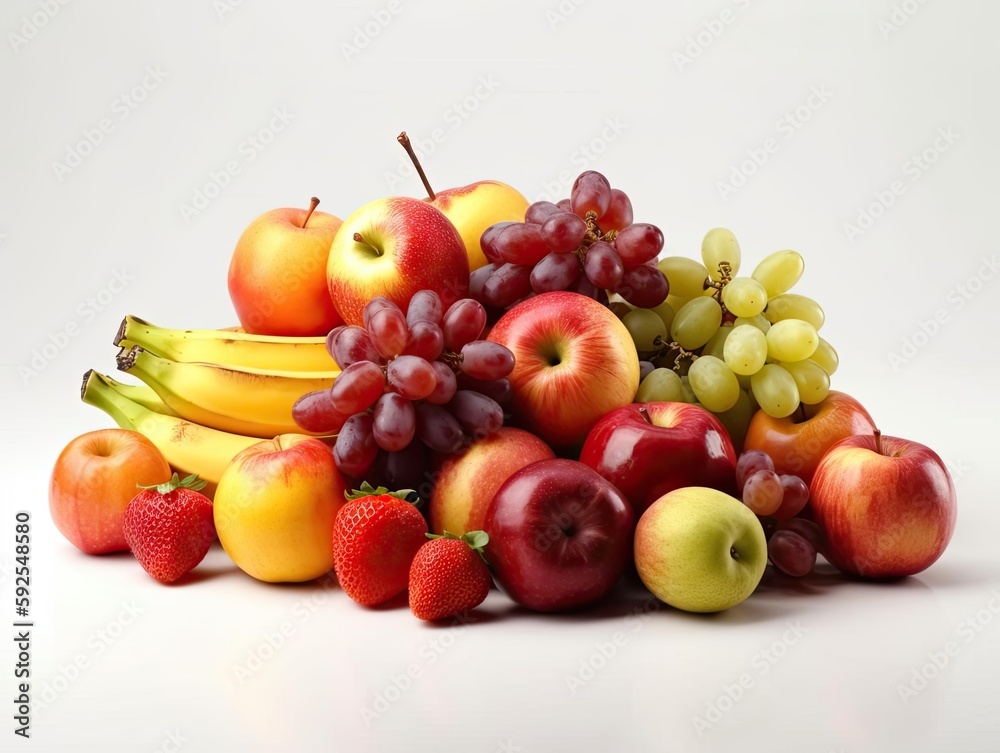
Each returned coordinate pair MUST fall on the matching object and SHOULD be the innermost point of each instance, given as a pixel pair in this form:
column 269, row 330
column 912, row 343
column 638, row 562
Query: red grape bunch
column 586, row 244
column 792, row 542
column 423, row 374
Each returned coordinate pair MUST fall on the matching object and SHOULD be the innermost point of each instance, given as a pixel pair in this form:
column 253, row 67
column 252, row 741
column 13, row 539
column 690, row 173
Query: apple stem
column 645, row 414
column 403, row 139
column 358, row 238
column 313, row 203
column 733, row 553
column 878, row 442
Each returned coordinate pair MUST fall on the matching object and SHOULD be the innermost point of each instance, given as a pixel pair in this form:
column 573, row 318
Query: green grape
column 826, row 357
column 717, row 342
column 737, row 419
column 666, row 312
column 745, row 351
column 720, row 245
column 644, row 326
column 696, row 322
column 813, row 383
column 744, row 296
column 775, row 391
column 676, row 302
column 779, row 272
column 661, row 386
column 791, row 340
column 754, row 321
column 686, row 277
column 688, row 392
column 713, row 384
column 792, row 306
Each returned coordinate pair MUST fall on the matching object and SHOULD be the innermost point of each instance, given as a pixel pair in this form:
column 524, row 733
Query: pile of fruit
column 525, row 395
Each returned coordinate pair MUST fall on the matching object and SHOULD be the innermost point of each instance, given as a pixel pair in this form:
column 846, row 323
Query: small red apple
column 886, row 505
column 277, row 276
column 649, row 449
column 560, row 535
column 93, row 481
column 573, row 362
column 796, row 443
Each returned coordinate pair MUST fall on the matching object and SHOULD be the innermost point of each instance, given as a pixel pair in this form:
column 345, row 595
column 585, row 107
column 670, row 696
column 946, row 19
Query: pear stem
column 878, row 442
column 313, row 203
column 403, row 139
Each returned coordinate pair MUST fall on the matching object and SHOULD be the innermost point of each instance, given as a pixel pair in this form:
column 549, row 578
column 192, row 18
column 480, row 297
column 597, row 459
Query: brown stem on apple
column 645, row 414
column 313, row 203
column 403, row 139
column 733, row 553
column 358, row 238
column 878, row 442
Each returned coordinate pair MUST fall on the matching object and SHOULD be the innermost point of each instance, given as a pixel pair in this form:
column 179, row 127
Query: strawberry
column 375, row 536
column 169, row 527
column 449, row 575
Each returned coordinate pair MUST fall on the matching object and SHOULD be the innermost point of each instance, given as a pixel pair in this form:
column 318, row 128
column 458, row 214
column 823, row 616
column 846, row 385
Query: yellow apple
column 275, row 507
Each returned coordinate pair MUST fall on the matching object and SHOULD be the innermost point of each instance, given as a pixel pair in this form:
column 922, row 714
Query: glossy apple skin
column 885, row 515
column 277, row 276
column 796, row 447
column 275, row 507
column 574, row 361
column 410, row 246
column 560, row 535
column 93, row 481
column 649, row 449
column 473, row 208
column 465, row 483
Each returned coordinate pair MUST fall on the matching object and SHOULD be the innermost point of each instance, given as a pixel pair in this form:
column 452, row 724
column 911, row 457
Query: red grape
column 749, row 463
column 644, row 286
column 438, row 429
column 486, row 360
column 563, row 232
column 446, row 386
column 507, row 284
column 331, row 338
column 355, row 448
column 463, row 323
column 388, row 331
column 795, row 498
column 564, row 205
column 591, row 193
column 554, row 272
column 425, row 340
column 521, row 244
column 762, row 493
column 412, row 377
column 603, row 266
column 375, row 305
column 393, row 422
column 488, row 239
column 478, row 279
column 314, row 412
column 637, row 244
column 353, row 345
column 479, row 415
column 791, row 553
column 357, row 387
column 540, row 211
column 424, row 306
column 498, row 389
column 619, row 213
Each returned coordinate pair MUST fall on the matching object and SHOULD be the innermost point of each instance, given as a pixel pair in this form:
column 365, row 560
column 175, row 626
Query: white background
column 557, row 79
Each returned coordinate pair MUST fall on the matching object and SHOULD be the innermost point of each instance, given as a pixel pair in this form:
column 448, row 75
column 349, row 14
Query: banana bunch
column 208, row 394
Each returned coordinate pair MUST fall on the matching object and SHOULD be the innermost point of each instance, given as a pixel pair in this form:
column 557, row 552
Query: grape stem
column 593, row 234
column 313, row 203
column 725, row 277
column 403, row 139
column 662, row 346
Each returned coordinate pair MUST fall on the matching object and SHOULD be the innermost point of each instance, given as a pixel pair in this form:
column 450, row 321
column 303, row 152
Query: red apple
column 277, row 276
column 649, row 449
column 393, row 248
column 574, row 362
column 93, row 481
column 796, row 443
column 886, row 505
column 560, row 535
column 466, row 483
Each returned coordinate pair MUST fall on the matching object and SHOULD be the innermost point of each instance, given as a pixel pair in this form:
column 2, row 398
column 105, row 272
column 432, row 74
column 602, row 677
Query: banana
column 141, row 394
column 227, row 347
column 187, row 447
column 252, row 402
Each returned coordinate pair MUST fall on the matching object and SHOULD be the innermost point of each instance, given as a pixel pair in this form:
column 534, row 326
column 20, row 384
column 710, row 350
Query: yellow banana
column 187, row 446
column 253, row 402
column 141, row 394
column 228, row 348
